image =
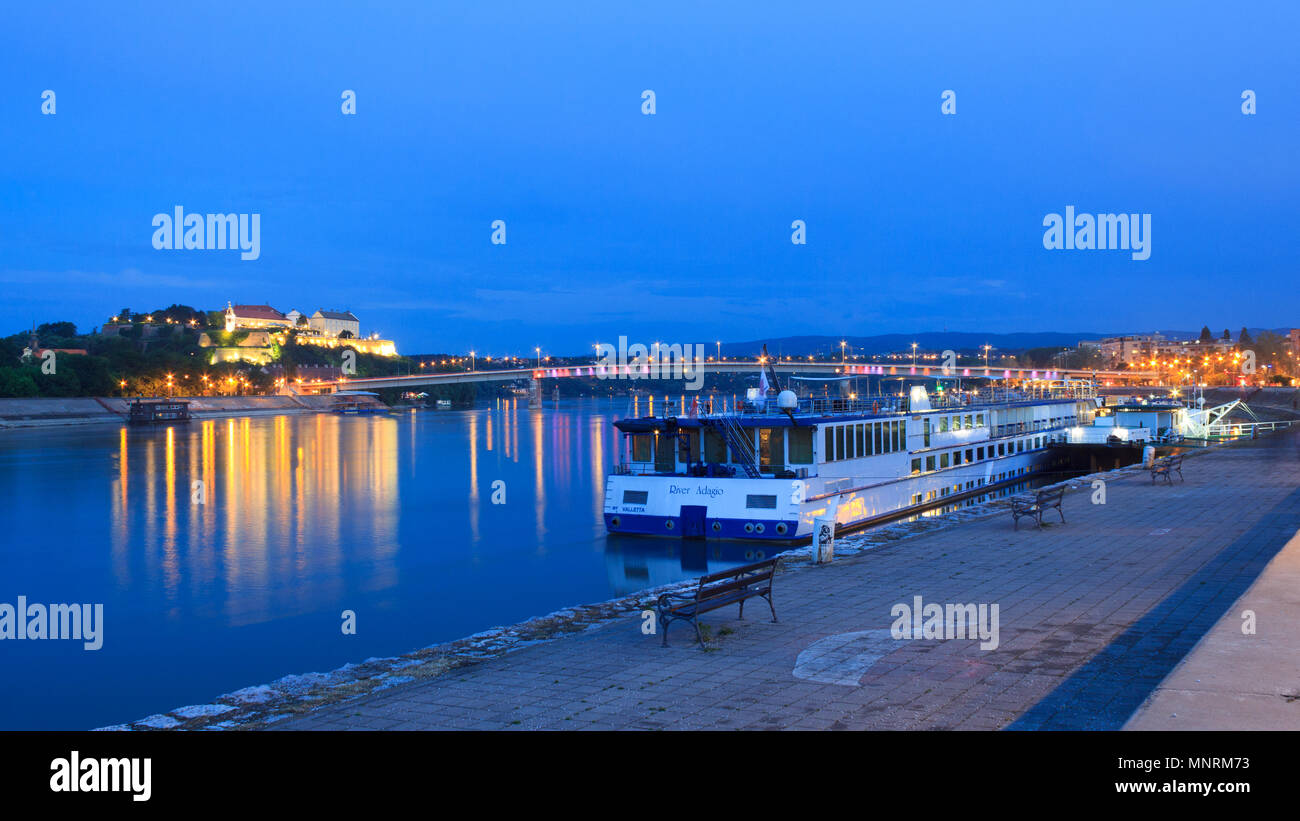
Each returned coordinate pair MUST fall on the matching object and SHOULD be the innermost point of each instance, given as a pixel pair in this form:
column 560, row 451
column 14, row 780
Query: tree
column 1227, row 337
column 1243, row 338
column 60, row 330
column 17, row 382
column 1206, row 336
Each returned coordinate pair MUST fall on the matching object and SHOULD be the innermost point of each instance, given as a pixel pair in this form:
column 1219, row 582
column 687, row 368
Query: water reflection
column 241, row 506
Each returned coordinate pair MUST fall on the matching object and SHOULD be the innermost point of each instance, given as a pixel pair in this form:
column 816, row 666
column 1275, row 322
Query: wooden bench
column 1166, row 465
column 1042, row 501
column 718, row 590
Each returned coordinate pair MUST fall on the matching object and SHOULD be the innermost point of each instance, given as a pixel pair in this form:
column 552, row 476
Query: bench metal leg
column 742, row 609
column 771, row 606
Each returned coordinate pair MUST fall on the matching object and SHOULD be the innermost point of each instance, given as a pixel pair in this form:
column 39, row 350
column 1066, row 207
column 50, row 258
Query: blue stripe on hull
column 645, row 525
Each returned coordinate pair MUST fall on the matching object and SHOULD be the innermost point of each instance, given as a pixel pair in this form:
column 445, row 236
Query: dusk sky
column 674, row 226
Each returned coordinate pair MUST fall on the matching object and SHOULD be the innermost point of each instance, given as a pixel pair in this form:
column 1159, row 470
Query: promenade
column 1093, row 616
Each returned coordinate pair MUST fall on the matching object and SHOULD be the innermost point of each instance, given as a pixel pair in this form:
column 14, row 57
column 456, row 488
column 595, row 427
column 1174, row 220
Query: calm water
column 305, row 516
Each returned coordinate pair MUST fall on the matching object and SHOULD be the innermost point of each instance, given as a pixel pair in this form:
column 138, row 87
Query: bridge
column 665, row 370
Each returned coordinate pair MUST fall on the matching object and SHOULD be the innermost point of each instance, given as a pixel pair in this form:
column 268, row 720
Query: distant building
column 335, row 324
column 1294, row 338
column 255, row 317
column 1130, row 349
column 269, row 327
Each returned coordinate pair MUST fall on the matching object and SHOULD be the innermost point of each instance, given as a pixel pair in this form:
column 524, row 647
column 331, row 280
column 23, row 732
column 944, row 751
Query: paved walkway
column 1245, row 673
column 1148, row 572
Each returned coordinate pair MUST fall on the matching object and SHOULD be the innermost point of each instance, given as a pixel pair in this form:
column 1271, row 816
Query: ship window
column 715, row 447
column 1020, row 446
column 916, row 466
column 969, row 455
column 876, row 433
column 850, row 451
column 898, row 435
column 688, row 449
column 800, row 444
column 863, row 448
column 760, row 501
column 771, row 449
column 635, row 497
column 665, row 453
column 969, row 422
column 929, row 463
column 979, row 420
column 1002, row 448
column 979, row 454
column 839, row 441
column 925, row 430
column 943, row 424
column 828, row 454
column 943, row 460
column 641, row 449
column 956, row 458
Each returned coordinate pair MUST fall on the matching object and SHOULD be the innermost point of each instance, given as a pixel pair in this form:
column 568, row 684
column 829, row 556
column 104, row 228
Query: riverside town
column 723, row 377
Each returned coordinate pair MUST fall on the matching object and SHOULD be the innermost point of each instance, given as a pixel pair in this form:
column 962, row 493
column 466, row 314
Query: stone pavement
column 1092, row 615
column 1245, row 673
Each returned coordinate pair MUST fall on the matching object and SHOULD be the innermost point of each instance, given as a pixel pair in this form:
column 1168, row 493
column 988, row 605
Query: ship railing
column 885, row 403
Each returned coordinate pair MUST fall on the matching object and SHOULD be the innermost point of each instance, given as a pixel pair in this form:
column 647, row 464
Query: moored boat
column 767, row 469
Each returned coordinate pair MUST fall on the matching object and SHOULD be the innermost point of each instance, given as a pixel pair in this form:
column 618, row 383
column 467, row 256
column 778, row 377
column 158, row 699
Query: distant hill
column 960, row 342
column 933, row 341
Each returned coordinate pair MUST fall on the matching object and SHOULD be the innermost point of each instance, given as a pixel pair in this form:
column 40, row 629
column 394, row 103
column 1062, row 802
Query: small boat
column 357, row 403
column 442, row 404
column 147, row 412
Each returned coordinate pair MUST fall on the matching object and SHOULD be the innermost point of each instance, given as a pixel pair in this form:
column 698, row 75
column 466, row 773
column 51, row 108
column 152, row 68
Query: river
column 243, row 578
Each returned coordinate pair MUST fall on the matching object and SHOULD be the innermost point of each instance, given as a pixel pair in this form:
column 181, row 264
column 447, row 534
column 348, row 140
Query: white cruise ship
column 770, row 468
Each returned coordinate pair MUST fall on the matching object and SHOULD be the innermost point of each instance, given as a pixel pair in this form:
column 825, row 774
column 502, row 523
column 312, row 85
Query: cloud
column 127, row 278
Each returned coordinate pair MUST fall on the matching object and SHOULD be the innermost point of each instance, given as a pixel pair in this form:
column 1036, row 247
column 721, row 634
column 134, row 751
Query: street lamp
column 844, row 360
column 913, row 354
column 471, row 360
column 539, row 356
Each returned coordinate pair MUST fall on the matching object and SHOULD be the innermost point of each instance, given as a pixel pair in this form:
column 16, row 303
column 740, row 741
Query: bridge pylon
column 534, row 394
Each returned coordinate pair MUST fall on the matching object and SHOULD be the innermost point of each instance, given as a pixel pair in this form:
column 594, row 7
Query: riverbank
column 564, row 650
column 35, row 413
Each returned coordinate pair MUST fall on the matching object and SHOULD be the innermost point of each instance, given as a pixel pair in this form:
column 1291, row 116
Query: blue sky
column 674, row 226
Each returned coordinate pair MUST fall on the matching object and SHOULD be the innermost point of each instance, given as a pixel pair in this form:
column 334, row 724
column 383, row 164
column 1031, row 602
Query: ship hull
column 738, row 508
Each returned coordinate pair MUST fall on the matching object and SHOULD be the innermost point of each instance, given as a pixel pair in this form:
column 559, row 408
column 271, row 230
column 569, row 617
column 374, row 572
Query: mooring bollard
column 824, row 539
